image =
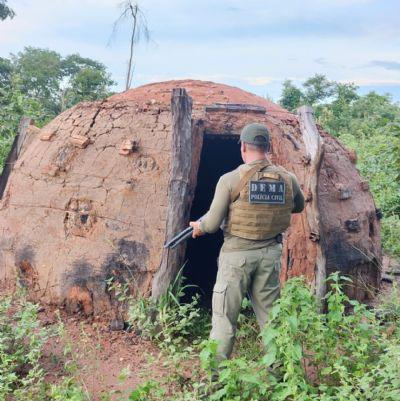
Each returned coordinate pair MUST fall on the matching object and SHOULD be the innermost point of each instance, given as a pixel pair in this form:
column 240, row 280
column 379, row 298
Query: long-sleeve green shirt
column 220, row 206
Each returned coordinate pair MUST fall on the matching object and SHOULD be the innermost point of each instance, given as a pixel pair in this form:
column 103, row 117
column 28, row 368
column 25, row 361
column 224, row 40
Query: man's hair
column 259, row 147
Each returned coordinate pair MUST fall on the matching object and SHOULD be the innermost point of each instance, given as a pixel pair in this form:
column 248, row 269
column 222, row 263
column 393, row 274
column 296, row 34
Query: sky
column 253, row 44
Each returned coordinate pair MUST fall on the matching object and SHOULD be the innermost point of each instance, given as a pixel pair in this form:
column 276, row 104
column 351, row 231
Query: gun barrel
column 182, row 236
column 179, row 238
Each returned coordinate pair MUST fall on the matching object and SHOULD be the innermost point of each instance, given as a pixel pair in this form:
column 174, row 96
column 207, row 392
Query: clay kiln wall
column 351, row 231
column 69, row 215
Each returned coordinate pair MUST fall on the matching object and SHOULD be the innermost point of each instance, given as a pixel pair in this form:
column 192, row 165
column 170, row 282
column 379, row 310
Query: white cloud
column 369, row 81
column 258, row 80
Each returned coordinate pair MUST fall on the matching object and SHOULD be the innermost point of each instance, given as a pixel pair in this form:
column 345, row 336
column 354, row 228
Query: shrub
column 345, row 354
column 21, row 343
column 168, row 321
column 21, row 349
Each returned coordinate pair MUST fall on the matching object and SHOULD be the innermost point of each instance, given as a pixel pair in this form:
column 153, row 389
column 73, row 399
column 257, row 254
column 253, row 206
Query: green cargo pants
column 255, row 272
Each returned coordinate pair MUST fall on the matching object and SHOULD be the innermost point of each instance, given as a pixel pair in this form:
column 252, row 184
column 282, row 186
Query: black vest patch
column 271, row 192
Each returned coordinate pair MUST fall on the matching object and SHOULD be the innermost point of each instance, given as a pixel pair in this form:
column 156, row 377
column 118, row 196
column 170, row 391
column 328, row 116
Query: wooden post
column 180, row 193
column 315, row 152
column 14, row 152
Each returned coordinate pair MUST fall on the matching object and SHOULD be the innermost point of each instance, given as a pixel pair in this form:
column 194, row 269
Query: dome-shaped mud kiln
column 96, row 193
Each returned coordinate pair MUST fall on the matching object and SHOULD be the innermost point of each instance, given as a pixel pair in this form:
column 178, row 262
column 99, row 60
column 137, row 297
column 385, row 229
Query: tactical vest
column 261, row 204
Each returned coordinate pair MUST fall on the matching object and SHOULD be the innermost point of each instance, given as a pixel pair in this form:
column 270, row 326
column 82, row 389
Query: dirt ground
column 106, row 363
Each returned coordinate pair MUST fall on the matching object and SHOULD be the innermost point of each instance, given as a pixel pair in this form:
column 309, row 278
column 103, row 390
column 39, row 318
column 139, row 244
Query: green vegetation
column 341, row 355
column 22, row 341
column 169, row 322
column 369, row 124
column 349, row 353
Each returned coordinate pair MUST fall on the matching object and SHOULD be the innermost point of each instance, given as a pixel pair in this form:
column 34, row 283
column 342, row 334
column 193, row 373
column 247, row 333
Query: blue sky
column 254, row 45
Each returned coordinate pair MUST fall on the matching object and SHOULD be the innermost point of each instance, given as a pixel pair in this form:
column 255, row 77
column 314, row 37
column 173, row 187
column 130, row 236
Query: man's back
column 216, row 217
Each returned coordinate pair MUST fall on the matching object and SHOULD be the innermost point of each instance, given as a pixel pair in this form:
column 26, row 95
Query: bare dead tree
column 130, row 11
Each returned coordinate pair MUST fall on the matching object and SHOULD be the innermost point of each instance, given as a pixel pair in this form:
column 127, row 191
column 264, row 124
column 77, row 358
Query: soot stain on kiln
column 87, row 287
column 342, row 255
column 25, row 261
column 128, row 264
column 80, row 286
column 81, row 275
column 25, row 254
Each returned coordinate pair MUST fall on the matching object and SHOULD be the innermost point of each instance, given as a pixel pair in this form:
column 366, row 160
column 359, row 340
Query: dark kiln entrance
column 220, row 154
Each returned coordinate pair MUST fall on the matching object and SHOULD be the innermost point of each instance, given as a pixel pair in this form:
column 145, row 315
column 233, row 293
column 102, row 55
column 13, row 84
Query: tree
column 317, row 89
column 139, row 29
column 14, row 104
column 86, row 79
column 87, row 84
column 292, row 97
column 5, row 10
column 6, row 70
column 346, row 92
column 337, row 115
column 40, row 73
column 74, row 63
column 57, row 82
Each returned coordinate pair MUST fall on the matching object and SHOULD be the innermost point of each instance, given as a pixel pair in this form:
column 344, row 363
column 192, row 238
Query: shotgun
column 182, row 236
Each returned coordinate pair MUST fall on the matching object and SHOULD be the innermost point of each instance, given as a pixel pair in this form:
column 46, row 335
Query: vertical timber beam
column 179, row 191
column 315, row 149
column 14, row 152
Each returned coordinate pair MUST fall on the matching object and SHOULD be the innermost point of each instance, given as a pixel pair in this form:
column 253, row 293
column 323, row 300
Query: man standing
column 253, row 203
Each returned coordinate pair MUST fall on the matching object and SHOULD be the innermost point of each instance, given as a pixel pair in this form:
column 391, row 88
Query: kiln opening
column 220, row 154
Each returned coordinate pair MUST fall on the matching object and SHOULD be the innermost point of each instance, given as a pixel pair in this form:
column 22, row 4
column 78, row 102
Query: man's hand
column 196, row 229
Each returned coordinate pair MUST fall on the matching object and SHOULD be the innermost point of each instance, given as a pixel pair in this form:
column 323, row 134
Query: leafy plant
column 344, row 354
column 21, row 342
column 168, row 321
column 67, row 390
column 22, row 377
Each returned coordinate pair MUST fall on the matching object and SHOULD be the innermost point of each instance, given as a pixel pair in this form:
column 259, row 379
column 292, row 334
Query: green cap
column 255, row 134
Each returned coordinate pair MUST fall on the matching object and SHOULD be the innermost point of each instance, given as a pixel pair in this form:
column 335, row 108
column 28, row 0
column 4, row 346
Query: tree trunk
column 180, row 191
column 315, row 152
